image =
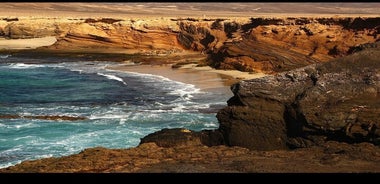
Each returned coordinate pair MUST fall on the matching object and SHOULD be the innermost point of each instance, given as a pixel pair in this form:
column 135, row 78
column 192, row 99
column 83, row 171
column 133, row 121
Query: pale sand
column 204, row 78
column 27, row 43
column 232, row 73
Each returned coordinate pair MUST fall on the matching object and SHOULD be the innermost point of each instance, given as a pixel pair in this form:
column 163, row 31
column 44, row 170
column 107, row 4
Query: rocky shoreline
column 317, row 111
column 320, row 118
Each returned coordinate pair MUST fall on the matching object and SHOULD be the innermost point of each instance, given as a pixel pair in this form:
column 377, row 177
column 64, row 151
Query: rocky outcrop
column 184, row 137
column 333, row 157
column 338, row 100
column 19, row 29
column 173, row 137
column 275, row 45
column 269, row 45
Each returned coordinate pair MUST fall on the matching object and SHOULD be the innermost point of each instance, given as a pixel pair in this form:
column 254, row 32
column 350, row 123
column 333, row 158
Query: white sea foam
column 113, row 77
column 108, row 116
column 116, row 125
column 9, row 164
column 79, row 71
column 4, row 56
column 25, row 137
column 178, row 88
column 23, row 125
column 211, row 125
column 180, row 108
column 24, row 66
column 122, row 121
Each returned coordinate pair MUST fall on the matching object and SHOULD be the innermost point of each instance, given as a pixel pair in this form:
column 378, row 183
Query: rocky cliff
column 275, row 45
column 269, row 45
column 338, row 100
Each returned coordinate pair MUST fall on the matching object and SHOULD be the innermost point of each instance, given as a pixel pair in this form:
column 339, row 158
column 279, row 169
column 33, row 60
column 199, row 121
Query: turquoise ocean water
column 120, row 107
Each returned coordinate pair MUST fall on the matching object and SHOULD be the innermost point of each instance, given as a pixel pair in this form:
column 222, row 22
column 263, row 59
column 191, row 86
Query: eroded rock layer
column 269, row 45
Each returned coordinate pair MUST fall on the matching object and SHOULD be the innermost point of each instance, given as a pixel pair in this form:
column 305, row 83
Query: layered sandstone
column 267, row 45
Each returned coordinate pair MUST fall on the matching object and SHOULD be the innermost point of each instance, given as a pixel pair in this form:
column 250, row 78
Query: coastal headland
column 306, row 85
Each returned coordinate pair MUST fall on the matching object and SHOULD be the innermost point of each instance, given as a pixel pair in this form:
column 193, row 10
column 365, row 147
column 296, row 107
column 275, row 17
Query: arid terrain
column 220, row 10
column 316, row 108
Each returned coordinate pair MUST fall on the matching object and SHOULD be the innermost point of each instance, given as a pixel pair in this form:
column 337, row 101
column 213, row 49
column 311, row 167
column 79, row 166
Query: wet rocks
column 44, row 117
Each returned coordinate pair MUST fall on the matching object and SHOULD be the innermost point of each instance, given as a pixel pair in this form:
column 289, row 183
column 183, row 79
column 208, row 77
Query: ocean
column 118, row 108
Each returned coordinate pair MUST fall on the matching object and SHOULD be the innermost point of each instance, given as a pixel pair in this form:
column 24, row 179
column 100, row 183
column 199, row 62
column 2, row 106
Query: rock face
column 338, row 100
column 275, row 45
column 268, row 45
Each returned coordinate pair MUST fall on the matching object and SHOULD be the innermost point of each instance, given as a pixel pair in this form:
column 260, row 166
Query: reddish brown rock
column 269, row 45
column 333, row 157
column 275, row 45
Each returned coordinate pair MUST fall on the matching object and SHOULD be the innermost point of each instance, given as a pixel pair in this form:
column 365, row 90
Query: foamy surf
column 184, row 90
column 118, row 115
column 5, row 56
column 23, row 66
column 112, row 77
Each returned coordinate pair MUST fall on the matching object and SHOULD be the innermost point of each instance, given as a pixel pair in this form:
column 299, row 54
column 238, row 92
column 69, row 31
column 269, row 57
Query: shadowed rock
column 183, row 137
column 338, row 100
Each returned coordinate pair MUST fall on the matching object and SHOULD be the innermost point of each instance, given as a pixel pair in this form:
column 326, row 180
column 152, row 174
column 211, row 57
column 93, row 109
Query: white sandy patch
column 27, row 43
column 233, row 73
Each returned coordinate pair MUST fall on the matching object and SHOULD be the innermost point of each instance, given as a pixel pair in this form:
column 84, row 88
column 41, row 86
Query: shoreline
column 204, row 78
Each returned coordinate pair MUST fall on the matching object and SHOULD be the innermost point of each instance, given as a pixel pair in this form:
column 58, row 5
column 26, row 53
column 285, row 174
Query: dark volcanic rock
column 338, row 100
column 183, row 137
column 173, row 137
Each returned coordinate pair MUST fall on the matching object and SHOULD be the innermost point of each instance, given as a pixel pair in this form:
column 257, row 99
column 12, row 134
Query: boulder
column 338, row 100
column 183, row 137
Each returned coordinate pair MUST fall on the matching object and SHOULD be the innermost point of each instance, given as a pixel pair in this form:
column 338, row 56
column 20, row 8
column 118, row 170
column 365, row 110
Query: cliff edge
column 252, row 44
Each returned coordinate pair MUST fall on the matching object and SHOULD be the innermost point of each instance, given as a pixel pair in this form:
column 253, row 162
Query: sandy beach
column 11, row 44
column 204, row 78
